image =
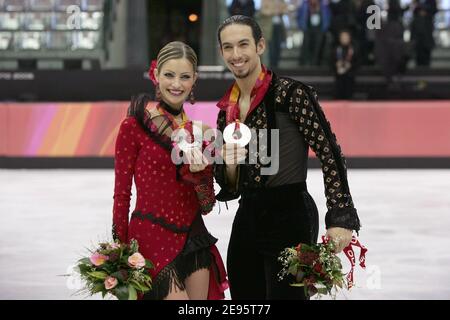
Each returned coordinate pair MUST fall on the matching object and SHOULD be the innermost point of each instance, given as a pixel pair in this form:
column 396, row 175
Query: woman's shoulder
column 129, row 125
column 128, row 122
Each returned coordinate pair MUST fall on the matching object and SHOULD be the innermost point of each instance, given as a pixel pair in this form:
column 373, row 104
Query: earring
column 157, row 93
column 192, row 97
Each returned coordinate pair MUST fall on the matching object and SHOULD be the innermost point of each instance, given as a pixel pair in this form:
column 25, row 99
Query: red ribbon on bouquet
column 348, row 250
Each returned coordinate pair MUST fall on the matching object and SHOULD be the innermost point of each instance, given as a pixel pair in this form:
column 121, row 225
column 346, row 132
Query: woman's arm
column 126, row 152
column 201, row 176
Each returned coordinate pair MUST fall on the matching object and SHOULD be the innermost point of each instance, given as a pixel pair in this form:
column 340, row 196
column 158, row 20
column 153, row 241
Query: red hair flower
column 151, row 72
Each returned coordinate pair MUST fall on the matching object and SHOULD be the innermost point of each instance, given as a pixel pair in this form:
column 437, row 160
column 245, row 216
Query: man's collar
column 225, row 101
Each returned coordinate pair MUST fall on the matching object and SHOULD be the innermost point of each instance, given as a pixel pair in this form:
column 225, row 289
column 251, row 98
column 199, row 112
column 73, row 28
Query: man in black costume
column 276, row 210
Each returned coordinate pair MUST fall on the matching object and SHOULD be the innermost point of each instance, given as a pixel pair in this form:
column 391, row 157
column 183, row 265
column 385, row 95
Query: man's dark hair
column 244, row 20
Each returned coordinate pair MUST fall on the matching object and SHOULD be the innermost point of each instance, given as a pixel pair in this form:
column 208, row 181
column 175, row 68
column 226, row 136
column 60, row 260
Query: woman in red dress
column 171, row 198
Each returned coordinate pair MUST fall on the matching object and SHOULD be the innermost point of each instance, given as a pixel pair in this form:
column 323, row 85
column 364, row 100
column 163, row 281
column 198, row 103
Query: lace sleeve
column 305, row 110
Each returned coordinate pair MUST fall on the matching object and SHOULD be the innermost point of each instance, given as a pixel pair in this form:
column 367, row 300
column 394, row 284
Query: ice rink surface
column 48, row 217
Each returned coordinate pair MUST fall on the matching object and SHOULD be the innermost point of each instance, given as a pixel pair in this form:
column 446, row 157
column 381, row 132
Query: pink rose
column 136, row 260
column 114, row 246
column 97, row 259
column 110, row 282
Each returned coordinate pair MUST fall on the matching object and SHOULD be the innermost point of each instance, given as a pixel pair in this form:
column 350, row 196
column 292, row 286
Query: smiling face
column 176, row 79
column 239, row 50
column 345, row 38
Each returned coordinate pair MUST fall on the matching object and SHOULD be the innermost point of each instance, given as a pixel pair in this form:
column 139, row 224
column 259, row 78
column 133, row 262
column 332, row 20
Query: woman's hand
column 340, row 236
column 197, row 161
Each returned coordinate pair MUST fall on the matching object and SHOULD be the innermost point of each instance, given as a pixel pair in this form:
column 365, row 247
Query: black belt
column 274, row 191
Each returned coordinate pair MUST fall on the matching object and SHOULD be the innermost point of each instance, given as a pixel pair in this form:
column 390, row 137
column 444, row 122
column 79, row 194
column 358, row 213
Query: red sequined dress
column 167, row 220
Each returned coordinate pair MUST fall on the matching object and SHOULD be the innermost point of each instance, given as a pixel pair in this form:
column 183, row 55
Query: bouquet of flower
column 117, row 269
column 317, row 268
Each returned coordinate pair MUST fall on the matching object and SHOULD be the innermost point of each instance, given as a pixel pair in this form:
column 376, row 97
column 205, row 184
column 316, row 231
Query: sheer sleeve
column 305, row 110
column 203, row 183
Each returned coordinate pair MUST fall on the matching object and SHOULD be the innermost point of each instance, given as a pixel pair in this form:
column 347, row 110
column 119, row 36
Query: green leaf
column 297, row 285
column 292, row 269
column 84, row 268
column 132, row 294
column 85, row 261
column 118, row 275
column 98, row 274
column 322, row 290
column 148, row 283
column 121, row 254
column 98, row 287
column 121, row 292
column 136, row 285
column 145, row 288
column 148, row 264
column 134, row 247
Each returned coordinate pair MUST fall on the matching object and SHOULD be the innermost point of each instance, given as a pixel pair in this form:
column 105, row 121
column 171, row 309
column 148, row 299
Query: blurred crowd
column 344, row 34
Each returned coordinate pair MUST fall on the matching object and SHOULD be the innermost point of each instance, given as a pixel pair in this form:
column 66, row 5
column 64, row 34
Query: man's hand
column 233, row 154
column 340, row 236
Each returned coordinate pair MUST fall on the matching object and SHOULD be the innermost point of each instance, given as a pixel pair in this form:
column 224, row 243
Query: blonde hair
column 176, row 50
